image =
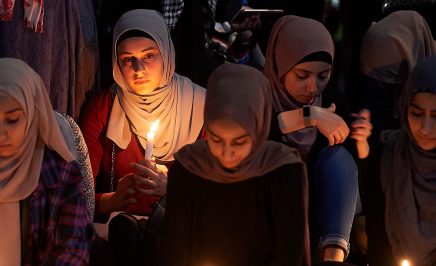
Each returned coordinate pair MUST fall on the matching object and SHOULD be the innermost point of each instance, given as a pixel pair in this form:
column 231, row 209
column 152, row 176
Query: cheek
column 17, row 132
column 214, row 148
column 294, row 86
column 244, row 151
column 414, row 124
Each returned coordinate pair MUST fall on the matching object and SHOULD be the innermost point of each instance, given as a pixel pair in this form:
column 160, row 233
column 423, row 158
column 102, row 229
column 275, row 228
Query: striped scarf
column 33, row 13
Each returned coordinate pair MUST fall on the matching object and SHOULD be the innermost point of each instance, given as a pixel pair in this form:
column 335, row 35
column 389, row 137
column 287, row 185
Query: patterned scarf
column 33, row 13
column 172, row 9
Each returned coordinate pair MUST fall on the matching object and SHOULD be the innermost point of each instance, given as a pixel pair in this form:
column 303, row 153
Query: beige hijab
column 408, row 178
column 240, row 93
column 19, row 174
column 394, row 45
column 293, row 38
column 177, row 103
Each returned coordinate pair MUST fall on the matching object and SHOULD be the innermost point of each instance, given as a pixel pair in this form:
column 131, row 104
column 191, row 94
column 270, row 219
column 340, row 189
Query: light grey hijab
column 177, row 103
column 408, row 179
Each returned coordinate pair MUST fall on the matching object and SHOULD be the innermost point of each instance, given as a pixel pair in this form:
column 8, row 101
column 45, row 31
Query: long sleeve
column 93, row 126
column 60, row 227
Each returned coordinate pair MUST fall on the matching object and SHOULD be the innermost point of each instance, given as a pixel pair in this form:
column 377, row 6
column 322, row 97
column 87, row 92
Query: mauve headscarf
column 242, row 94
column 394, row 45
column 177, row 103
column 292, row 38
column 408, row 178
column 19, row 173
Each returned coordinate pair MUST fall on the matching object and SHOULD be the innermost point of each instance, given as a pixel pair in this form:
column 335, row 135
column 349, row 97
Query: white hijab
column 19, row 174
column 177, row 102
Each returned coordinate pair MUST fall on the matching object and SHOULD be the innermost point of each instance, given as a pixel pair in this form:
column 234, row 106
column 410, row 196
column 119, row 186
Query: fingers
column 332, row 108
column 146, row 168
column 365, row 114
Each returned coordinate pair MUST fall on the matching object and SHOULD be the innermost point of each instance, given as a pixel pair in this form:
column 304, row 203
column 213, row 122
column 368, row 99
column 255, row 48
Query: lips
column 141, row 81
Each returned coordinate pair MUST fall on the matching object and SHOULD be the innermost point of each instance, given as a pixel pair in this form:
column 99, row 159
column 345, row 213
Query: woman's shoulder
column 55, row 171
column 102, row 98
column 97, row 109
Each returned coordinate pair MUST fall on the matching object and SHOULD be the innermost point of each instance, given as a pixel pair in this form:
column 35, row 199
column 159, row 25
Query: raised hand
column 332, row 126
column 122, row 198
column 361, row 129
column 152, row 176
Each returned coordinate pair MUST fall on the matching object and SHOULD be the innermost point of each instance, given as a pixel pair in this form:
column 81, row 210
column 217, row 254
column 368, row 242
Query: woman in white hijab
column 116, row 122
column 43, row 215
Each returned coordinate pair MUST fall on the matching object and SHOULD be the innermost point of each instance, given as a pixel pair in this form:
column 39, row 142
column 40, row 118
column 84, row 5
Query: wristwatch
column 306, row 115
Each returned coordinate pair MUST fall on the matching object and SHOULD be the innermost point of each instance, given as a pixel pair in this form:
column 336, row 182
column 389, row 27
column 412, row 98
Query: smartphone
column 242, row 14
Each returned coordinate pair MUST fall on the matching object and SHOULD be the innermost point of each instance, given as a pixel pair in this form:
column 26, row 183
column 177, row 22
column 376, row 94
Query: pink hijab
column 394, row 45
column 240, row 93
column 293, row 38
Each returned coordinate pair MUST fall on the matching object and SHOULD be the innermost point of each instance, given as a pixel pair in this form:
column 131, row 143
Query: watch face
column 306, row 111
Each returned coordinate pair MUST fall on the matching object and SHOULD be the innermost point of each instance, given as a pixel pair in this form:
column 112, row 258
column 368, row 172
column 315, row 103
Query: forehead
column 136, row 44
column 313, row 66
column 425, row 100
column 8, row 103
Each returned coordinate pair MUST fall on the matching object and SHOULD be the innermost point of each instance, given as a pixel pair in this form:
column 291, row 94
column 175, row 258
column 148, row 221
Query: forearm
column 291, row 121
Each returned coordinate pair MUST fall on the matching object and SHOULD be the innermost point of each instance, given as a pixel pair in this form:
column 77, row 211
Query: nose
column 427, row 125
column 138, row 65
column 227, row 152
column 312, row 86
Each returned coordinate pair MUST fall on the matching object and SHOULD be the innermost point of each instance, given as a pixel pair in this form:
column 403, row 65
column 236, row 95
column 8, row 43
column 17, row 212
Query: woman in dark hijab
column 237, row 198
column 401, row 214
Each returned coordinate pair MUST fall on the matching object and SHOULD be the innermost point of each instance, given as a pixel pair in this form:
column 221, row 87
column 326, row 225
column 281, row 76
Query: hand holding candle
column 150, row 140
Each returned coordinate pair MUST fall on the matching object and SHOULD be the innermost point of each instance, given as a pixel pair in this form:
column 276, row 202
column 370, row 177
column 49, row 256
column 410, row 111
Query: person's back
column 390, row 49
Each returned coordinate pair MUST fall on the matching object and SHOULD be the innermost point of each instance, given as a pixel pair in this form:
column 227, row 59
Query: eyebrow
column 307, row 71
column 215, row 135
column 13, row 110
column 420, row 108
column 142, row 51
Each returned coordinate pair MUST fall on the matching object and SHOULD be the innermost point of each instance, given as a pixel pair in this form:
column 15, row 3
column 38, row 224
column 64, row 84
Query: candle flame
column 405, row 263
column 154, row 126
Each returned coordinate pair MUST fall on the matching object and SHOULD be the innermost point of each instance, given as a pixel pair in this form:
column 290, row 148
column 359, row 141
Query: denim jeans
column 333, row 195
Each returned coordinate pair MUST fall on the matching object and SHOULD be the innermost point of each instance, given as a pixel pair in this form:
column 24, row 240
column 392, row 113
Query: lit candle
column 150, row 140
column 405, row 263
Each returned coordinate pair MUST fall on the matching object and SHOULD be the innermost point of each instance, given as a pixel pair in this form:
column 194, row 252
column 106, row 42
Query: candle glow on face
column 150, row 140
column 405, row 263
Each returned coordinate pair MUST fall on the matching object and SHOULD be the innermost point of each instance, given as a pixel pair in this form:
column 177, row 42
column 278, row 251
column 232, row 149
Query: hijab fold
column 20, row 173
column 394, row 45
column 177, row 102
column 408, row 179
column 293, row 38
column 242, row 94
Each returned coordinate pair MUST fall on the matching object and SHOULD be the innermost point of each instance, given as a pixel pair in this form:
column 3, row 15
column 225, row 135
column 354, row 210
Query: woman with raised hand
column 401, row 214
column 299, row 64
column 390, row 49
column 117, row 121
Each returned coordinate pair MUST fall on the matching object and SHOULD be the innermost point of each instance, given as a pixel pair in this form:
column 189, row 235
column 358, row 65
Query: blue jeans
column 333, row 195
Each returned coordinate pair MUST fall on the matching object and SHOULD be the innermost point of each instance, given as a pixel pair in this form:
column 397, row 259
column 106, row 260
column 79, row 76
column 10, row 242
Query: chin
column 426, row 145
column 230, row 165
